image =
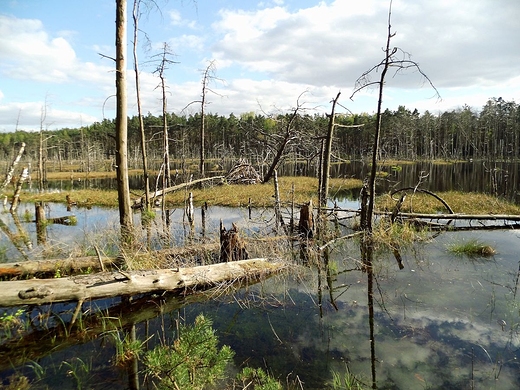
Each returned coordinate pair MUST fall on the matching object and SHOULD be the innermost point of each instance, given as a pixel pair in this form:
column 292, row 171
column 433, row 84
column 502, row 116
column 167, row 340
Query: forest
column 493, row 133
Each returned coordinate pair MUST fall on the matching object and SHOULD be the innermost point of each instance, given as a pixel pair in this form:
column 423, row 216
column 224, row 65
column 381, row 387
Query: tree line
column 493, row 133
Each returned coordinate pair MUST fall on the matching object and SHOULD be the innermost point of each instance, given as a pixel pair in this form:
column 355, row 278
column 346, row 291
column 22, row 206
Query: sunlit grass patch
column 460, row 202
column 472, row 248
column 261, row 195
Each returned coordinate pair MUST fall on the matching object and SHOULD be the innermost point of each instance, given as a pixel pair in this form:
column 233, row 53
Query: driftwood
column 232, row 246
column 129, row 283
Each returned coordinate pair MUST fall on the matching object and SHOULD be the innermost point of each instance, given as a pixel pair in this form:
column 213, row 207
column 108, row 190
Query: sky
column 268, row 57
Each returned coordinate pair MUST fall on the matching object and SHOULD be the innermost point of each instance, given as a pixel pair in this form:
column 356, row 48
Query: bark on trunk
column 123, row 187
column 129, row 283
column 12, row 168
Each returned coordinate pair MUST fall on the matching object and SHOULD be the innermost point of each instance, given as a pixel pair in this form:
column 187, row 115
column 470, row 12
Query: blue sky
column 266, row 54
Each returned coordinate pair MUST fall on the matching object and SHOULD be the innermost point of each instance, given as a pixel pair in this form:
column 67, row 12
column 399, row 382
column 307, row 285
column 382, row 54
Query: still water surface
column 441, row 322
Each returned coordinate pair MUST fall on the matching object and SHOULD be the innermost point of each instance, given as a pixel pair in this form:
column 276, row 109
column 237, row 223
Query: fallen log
column 138, row 202
column 129, row 283
column 482, row 217
column 50, row 267
column 164, row 258
column 39, row 343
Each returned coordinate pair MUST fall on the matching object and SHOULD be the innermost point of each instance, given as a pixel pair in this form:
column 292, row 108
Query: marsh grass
column 460, row 202
column 396, row 236
column 261, row 195
column 472, row 248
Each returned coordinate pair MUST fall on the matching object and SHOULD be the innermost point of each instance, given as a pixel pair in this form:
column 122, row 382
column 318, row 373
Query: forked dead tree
column 400, row 60
column 164, row 61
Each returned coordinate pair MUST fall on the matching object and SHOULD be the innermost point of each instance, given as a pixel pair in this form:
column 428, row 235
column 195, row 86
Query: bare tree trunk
column 12, row 168
column 40, row 161
column 202, row 124
column 325, row 171
column 16, row 196
column 146, row 177
column 362, row 82
column 123, row 187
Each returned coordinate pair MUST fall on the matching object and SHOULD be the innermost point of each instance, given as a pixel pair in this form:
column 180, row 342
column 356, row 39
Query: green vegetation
column 257, row 379
column 192, row 361
column 472, row 248
column 346, row 382
column 261, row 195
column 461, row 134
column 460, row 202
column 11, row 323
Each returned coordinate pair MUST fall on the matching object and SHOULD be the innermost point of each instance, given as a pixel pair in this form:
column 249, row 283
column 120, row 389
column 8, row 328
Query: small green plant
column 57, row 273
column 11, row 322
column 472, row 248
column 347, row 381
column 79, row 370
column 192, row 362
column 147, row 216
column 257, row 379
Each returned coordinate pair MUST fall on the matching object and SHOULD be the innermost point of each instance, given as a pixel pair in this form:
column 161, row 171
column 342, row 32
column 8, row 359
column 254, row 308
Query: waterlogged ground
column 441, row 322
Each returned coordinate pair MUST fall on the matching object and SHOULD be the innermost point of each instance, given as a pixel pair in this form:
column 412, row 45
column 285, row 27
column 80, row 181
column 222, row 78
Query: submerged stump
column 232, row 246
column 306, row 223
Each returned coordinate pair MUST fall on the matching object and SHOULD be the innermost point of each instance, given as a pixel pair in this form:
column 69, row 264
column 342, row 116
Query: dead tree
column 324, row 179
column 123, row 186
column 161, row 68
column 390, row 60
column 18, row 189
column 288, row 136
column 207, row 76
column 136, row 15
column 232, row 246
column 10, row 173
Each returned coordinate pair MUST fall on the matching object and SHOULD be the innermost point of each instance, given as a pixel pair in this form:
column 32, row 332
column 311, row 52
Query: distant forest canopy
column 492, row 133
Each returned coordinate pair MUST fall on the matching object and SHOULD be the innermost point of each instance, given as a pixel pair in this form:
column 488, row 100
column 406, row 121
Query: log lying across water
column 50, row 267
column 129, row 283
column 68, row 266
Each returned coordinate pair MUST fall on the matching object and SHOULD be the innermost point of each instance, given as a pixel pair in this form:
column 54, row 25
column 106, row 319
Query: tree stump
column 306, row 223
column 232, row 246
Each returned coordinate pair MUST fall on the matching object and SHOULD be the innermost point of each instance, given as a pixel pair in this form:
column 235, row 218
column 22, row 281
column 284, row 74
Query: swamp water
column 441, row 322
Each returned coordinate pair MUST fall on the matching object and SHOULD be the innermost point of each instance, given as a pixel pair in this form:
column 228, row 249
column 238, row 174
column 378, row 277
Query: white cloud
column 31, row 53
column 269, row 53
column 177, row 20
column 455, row 43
